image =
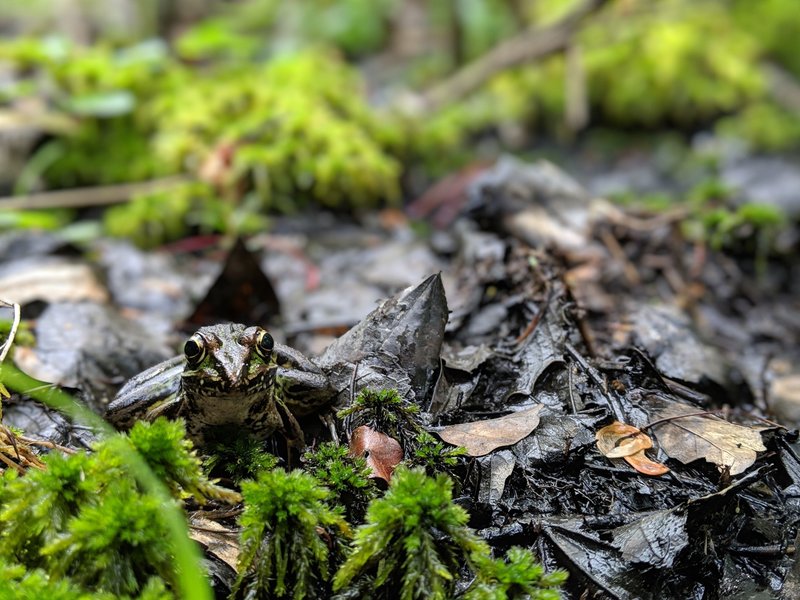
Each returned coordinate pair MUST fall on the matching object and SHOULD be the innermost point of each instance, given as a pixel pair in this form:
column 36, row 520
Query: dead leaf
column 481, row 437
column 217, row 540
column 54, row 280
column 644, row 465
column 655, row 539
column 619, row 440
column 241, row 293
column 689, row 438
column 383, row 453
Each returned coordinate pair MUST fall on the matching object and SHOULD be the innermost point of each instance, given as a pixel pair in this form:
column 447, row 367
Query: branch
column 88, row 196
column 529, row 45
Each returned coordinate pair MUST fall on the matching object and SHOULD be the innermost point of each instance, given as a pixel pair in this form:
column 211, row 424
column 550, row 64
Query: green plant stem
column 191, row 578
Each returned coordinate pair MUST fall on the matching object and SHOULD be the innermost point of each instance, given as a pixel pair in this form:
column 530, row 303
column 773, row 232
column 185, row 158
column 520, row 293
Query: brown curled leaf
column 383, row 453
column 644, row 465
column 619, row 440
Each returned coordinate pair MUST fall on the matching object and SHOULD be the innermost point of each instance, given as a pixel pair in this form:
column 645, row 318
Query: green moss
column 385, row 411
column 85, row 518
column 284, row 553
column 297, row 130
column 171, row 456
column 114, row 546
column 37, row 508
column 764, row 125
column 518, row 577
column 347, row 477
column 679, row 64
column 774, row 23
column 434, row 455
column 414, row 542
column 244, row 459
column 19, row 583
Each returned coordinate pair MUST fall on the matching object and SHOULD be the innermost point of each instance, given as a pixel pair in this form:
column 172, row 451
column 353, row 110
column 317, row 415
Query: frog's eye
column 194, row 349
column 264, row 344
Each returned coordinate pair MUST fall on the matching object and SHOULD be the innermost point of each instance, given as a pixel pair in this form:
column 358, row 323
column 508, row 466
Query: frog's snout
column 235, row 375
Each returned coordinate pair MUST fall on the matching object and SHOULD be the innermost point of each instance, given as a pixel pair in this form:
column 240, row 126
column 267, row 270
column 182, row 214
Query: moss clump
column 383, row 410
column 434, row 455
column 37, row 508
column 414, row 542
column 171, row 456
column 295, row 129
column 19, row 583
column 102, row 92
column 85, row 518
column 244, row 459
column 764, row 125
column 347, row 477
column 518, row 577
column 284, row 553
column 110, row 546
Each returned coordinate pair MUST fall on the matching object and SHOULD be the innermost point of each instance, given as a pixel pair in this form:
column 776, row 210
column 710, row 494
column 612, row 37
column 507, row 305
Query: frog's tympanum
column 232, row 380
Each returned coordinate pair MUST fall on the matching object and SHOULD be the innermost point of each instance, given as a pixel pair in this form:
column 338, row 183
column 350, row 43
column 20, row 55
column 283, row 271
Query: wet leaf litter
column 523, row 338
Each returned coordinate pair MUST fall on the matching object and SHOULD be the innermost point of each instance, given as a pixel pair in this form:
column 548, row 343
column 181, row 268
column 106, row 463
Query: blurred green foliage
column 260, row 105
column 84, row 519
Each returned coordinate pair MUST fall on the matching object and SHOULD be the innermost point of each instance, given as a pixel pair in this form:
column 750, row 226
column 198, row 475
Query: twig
column 88, row 196
column 529, row 45
column 13, row 332
column 703, row 413
column 12, row 464
column 47, row 444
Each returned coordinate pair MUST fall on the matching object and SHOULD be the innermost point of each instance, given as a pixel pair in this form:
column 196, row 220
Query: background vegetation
column 260, row 105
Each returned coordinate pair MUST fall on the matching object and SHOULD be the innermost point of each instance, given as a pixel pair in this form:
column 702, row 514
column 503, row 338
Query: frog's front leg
column 148, row 394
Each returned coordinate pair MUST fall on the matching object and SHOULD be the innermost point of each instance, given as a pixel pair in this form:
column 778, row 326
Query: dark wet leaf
column 397, row 345
column 155, row 284
column 536, row 202
column 467, row 359
column 555, row 437
column 668, row 336
column 541, row 348
column 242, row 293
column 481, row 437
column 655, row 539
column 598, row 561
column 495, row 470
column 90, row 347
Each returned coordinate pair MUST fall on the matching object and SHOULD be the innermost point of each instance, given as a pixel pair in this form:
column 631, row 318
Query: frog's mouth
column 212, row 402
column 221, row 388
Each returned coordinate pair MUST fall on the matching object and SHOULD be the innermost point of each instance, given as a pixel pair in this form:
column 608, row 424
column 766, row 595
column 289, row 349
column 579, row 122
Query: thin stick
column 704, row 413
column 88, row 196
column 13, row 332
column 532, row 44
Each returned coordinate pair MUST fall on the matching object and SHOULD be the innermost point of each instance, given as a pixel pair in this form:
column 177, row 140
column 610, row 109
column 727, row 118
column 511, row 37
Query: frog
column 231, row 380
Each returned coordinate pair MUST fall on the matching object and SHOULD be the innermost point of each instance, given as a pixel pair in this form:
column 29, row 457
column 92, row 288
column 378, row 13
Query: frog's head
column 230, row 359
